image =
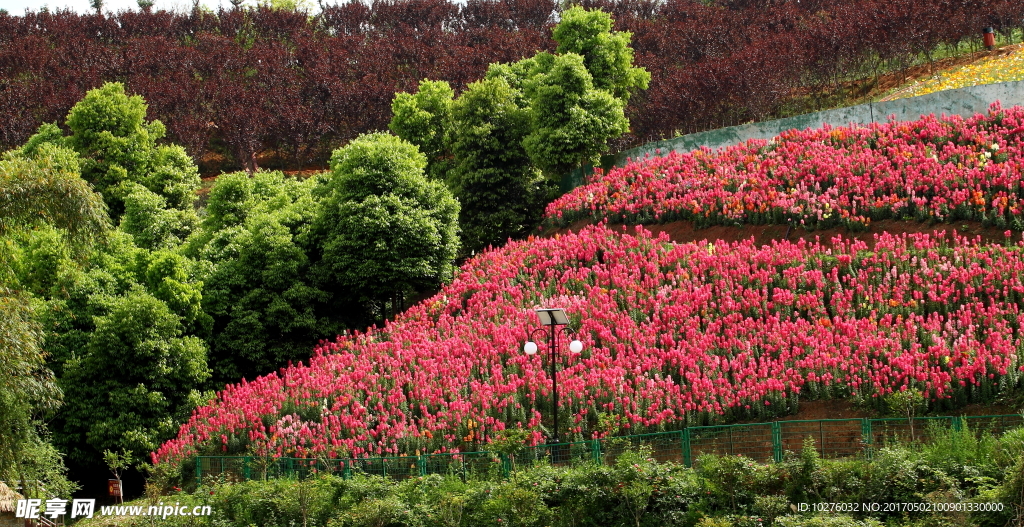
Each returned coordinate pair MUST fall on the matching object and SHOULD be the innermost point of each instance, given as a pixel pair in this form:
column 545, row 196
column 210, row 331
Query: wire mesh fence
column 833, row 438
column 755, row 441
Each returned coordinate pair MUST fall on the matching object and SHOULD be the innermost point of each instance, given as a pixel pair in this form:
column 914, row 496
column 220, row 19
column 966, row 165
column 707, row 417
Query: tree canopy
column 265, row 307
column 384, row 230
column 39, row 191
column 548, row 113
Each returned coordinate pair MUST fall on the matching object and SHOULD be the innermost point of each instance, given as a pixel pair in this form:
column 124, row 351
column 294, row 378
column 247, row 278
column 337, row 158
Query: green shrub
column 724, row 491
column 514, row 506
column 964, row 454
column 1009, row 447
column 824, row 521
column 1010, row 493
column 389, row 511
column 732, row 482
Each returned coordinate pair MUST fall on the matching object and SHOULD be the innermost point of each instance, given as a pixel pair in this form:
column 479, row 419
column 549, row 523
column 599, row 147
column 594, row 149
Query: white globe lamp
column 530, row 348
column 575, row 346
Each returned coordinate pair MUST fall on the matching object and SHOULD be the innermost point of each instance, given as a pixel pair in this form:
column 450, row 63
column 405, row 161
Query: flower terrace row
column 933, row 169
column 672, row 333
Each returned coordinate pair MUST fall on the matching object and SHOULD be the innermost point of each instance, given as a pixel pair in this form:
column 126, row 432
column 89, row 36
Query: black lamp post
column 553, row 318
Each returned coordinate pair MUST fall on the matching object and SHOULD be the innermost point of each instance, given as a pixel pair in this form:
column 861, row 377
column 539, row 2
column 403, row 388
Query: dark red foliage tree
column 249, row 80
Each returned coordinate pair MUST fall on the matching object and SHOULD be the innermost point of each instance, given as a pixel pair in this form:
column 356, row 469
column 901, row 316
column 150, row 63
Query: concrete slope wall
column 965, row 102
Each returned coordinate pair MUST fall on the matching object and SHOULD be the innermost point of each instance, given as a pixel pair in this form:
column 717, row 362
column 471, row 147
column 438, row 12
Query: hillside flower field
column 673, row 333
column 1004, row 68
column 934, row 169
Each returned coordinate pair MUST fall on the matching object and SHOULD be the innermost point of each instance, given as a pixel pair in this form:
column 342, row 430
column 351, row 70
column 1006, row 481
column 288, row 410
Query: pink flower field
column 674, row 334
column 928, row 170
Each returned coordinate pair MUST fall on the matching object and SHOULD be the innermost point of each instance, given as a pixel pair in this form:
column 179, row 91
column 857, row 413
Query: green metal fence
column 834, row 438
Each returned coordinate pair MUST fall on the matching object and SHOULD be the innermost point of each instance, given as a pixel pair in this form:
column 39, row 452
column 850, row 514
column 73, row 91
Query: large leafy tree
column 499, row 190
column 39, row 192
column 385, row 231
column 606, row 54
column 424, row 119
column 126, row 338
column 119, row 154
column 136, row 380
column 572, row 120
column 548, row 113
column 124, row 335
column 265, row 308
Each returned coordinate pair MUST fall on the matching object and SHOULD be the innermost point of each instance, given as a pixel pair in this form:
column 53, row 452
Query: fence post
column 867, row 437
column 506, row 465
column 776, row 441
column 199, row 470
column 595, row 450
column 687, row 460
column 421, row 463
column 958, row 424
column 245, row 468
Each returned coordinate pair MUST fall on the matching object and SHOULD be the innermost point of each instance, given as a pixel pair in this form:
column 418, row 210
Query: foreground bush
column 633, row 491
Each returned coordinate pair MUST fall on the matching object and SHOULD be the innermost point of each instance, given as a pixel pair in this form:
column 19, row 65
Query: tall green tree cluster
column 386, row 231
column 123, row 305
column 121, row 322
column 265, row 309
column 500, row 144
column 45, row 193
column 289, row 262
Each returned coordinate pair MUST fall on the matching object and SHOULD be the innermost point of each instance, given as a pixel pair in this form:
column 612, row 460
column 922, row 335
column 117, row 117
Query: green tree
column 44, row 187
column 288, row 5
column 385, row 230
column 265, row 308
column 606, row 53
column 151, row 222
column 117, row 462
column 125, row 338
column 118, row 147
column 500, row 192
column 137, row 380
column 548, row 112
column 424, row 119
column 37, row 193
column 572, row 120
column 27, row 388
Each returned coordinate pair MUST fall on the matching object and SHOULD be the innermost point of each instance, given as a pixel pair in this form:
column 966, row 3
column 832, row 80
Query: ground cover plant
column 933, row 169
column 674, row 334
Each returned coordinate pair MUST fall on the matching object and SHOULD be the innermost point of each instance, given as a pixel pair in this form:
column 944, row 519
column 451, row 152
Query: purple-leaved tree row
column 243, row 81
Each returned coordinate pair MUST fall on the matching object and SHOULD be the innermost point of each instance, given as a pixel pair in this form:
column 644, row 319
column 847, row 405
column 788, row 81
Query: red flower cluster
column 671, row 331
column 933, row 169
